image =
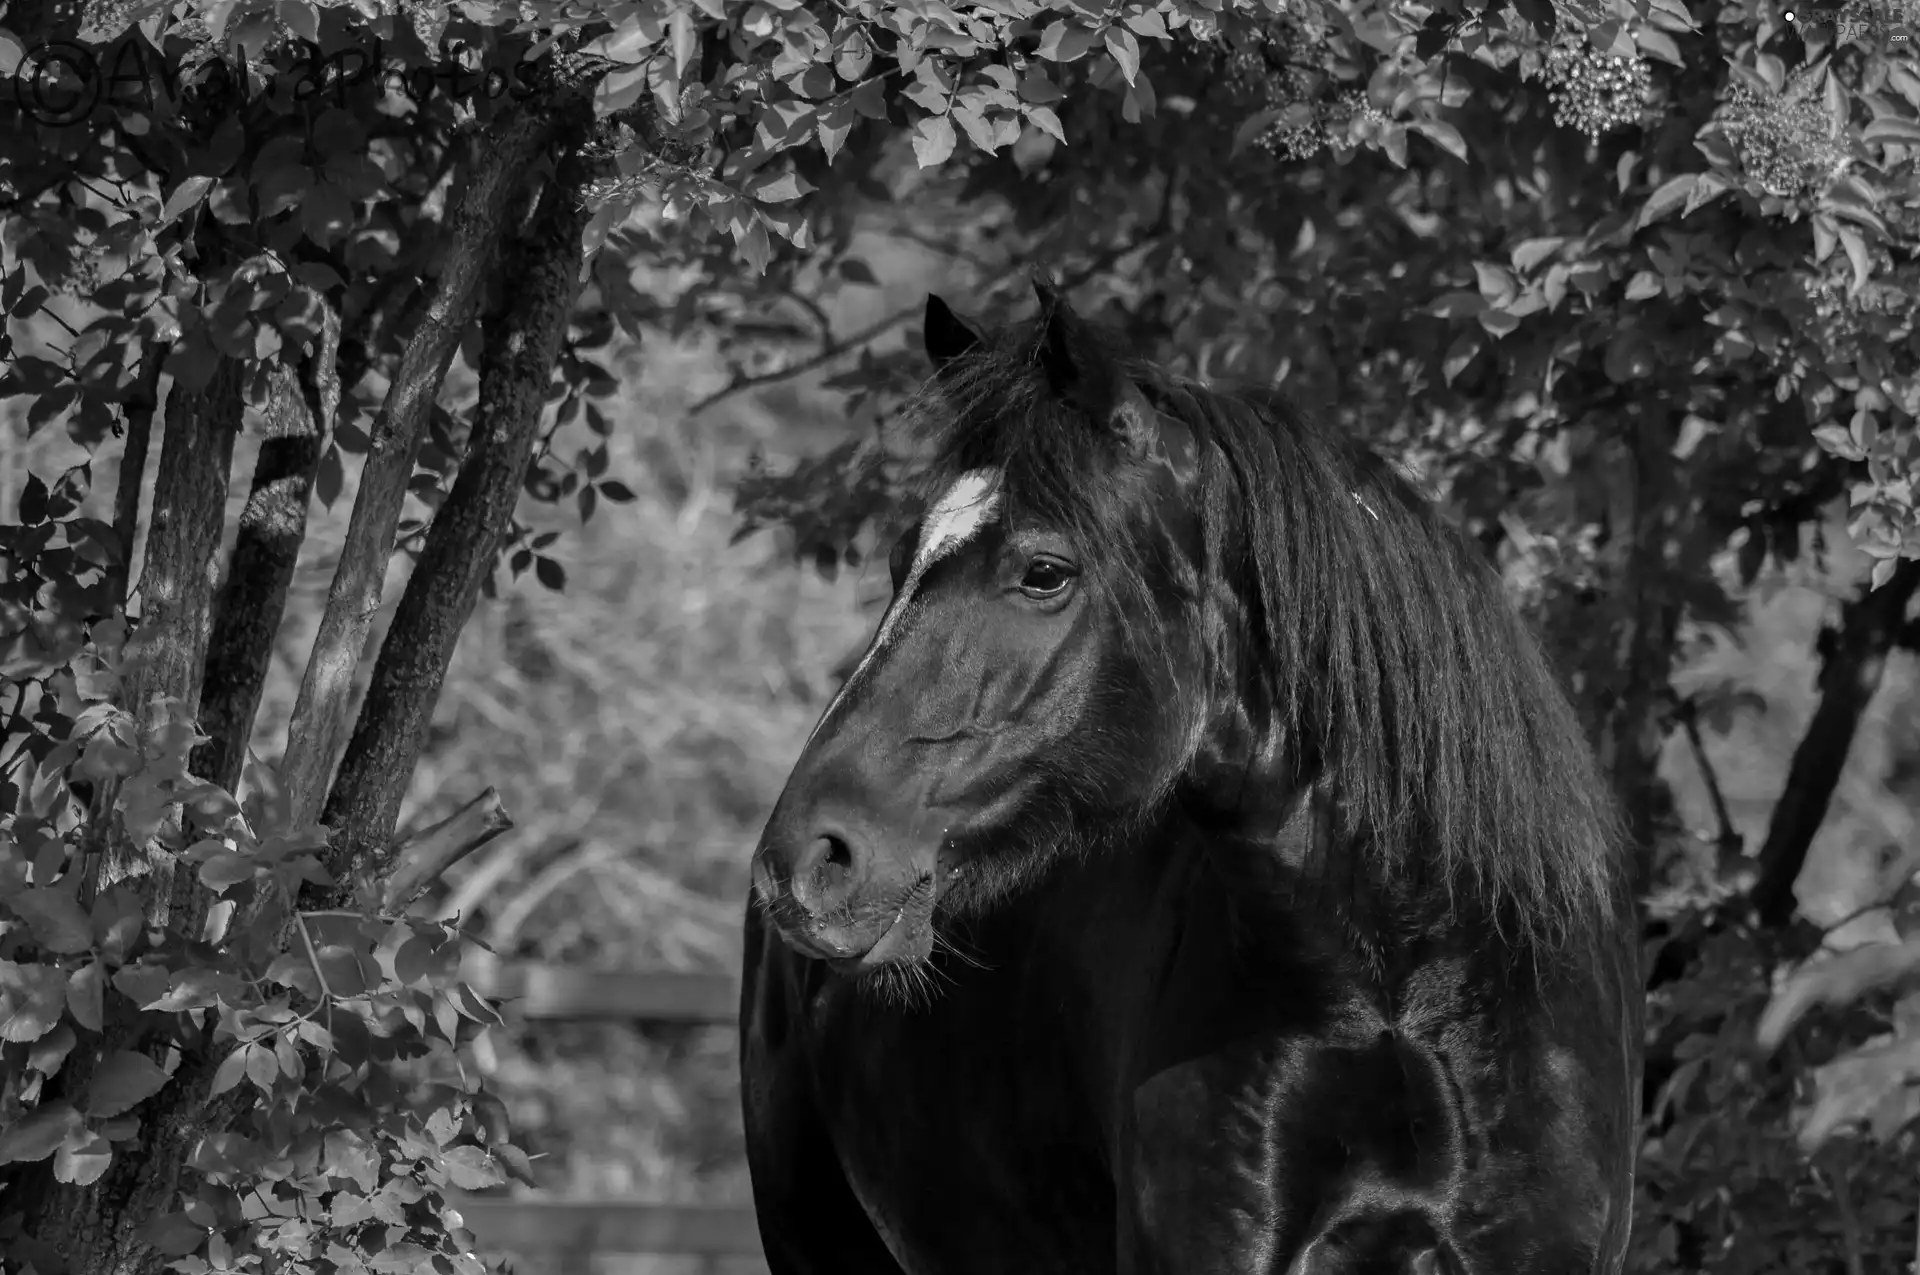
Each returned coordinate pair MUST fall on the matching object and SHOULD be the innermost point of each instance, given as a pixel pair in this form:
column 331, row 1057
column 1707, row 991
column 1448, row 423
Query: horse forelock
column 1371, row 627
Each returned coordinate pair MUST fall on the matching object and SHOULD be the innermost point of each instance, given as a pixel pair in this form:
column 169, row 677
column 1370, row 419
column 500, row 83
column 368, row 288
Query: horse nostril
column 824, row 872
column 832, row 851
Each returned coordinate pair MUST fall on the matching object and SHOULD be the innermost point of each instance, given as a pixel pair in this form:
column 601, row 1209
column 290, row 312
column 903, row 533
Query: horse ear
column 946, row 335
column 1085, row 375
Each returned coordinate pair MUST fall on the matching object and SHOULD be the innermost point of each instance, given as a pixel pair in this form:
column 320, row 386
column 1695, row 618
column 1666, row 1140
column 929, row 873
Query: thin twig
column 1729, row 837
column 832, row 349
column 827, row 354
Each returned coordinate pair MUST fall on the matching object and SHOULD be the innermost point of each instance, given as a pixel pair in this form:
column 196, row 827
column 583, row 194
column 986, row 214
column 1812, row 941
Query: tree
column 293, row 219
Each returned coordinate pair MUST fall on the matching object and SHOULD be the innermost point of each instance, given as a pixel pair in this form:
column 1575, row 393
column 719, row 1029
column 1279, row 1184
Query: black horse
column 1202, row 871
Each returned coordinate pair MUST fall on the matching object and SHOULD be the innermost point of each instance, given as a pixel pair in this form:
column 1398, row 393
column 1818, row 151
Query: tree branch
column 176, row 583
column 507, row 153
column 176, row 587
column 133, row 461
column 421, row 859
column 272, row 528
column 1727, row 837
column 542, row 282
column 832, row 347
column 1854, row 663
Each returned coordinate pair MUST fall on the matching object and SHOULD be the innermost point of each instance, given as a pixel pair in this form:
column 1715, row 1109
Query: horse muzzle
column 833, row 896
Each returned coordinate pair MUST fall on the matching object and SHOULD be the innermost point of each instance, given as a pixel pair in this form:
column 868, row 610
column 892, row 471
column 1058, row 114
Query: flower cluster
column 1594, row 93
column 1262, row 83
column 1786, row 141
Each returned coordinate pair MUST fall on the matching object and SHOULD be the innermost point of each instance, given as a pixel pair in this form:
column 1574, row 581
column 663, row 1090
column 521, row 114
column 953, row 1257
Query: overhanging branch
column 1870, row 625
column 541, row 284
column 506, row 155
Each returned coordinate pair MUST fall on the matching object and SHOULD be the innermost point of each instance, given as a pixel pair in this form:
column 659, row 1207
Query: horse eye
column 1045, row 578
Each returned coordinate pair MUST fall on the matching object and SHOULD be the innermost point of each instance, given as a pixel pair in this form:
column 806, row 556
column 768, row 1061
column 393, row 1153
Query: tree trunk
column 92, row 1226
column 1855, row 658
column 133, row 463
column 272, row 528
column 541, row 283
column 505, row 157
column 176, row 595
column 1628, row 697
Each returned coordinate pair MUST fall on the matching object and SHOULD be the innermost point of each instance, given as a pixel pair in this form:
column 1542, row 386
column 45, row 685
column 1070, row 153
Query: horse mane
column 1379, row 639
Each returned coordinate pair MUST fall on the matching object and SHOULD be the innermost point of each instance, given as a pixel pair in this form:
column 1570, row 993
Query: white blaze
column 955, row 518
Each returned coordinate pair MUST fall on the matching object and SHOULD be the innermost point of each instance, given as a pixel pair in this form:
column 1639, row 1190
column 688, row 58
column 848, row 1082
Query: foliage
column 1629, row 285
column 343, row 1052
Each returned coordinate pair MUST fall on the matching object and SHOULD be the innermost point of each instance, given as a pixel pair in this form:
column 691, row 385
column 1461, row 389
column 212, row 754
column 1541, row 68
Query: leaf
column 1891, row 131
column 933, row 141
column 300, row 19
column 186, row 195
column 1643, row 285
column 39, row 1133
column 86, row 995
column 550, row 573
column 1443, row 135
column 1857, row 254
column 1125, row 50
column 82, row 1158
column 50, row 1051
column 1458, row 305
column 685, row 40
column 232, row 1068
column 1673, row 193
column 1459, row 355
column 472, row 1169
column 854, row 270
column 347, row 1155
column 36, row 997
column 263, row 1067
column 226, row 869
column 1838, row 441
column 55, row 917
column 1882, row 572
column 1043, row 118
column 1835, row 980
column 171, row 1234
column 1658, row 44
column 1531, row 252
column 1848, row 1089
column 787, row 186
column 141, row 984
column 123, row 1080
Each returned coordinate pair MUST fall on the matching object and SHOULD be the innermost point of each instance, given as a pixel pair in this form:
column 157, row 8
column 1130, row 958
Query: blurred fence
column 556, row 1233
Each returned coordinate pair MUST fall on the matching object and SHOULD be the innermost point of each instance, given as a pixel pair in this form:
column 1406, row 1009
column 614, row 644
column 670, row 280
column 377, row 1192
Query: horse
column 1201, row 871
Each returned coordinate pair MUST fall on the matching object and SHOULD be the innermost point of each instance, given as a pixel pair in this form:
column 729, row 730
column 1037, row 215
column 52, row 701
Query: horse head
column 1030, row 682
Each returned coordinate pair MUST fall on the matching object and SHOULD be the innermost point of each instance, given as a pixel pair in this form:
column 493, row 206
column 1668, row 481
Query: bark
column 541, row 276
column 1644, row 515
column 424, row 857
column 474, row 233
column 272, row 528
column 1855, row 659
column 92, row 1226
column 176, row 589
column 133, row 462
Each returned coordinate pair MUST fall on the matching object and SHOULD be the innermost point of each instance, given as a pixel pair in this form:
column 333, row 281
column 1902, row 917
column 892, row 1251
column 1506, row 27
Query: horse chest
column 937, row 1133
